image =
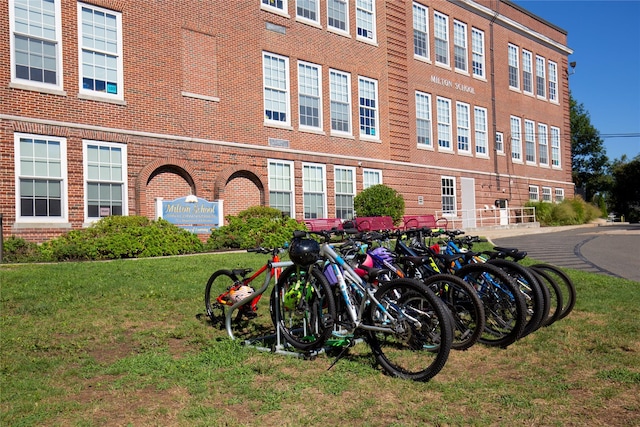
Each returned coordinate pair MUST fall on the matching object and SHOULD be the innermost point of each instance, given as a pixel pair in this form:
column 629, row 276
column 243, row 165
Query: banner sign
column 192, row 213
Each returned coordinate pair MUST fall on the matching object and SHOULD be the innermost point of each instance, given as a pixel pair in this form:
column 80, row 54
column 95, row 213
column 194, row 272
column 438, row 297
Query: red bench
column 419, row 221
column 323, row 224
column 374, row 223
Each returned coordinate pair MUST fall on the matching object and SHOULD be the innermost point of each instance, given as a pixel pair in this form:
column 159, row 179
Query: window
column 276, row 5
column 368, row 103
column 371, row 177
column 540, row 77
column 480, row 121
column 559, row 194
column 462, row 119
column 555, row 147
column 308, row 10
column 276, row 88
column 313, row 191
column 527, row 72
column 477, row 52
column 530, row 141
column 340, row 95
column 366, row 19
column 100, row 51
column 543, row 144
column 281, row 186
column 499, row 143
column 444, row 123
column 420, row 31
column 516, row 139
column 553, row 81
column 41, row 186
column 533, row 193
column 36, row 43
column 345, row 191
column 105, row 179
column 513, row 67
column 546, row 194
column 309, row 95
column 460, row 46
column 338, row 15
column 423, row 119
column 441, row 34
column 448, row 191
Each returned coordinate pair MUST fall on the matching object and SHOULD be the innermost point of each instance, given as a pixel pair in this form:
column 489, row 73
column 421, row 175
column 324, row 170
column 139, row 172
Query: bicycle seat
column 511, row 252
column 241, row 271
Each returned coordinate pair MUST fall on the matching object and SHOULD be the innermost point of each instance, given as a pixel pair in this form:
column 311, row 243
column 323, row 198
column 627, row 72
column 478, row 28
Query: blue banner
column 192, row 213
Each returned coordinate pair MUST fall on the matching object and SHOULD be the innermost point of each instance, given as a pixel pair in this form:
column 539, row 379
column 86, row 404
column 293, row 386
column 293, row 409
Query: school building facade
column 109, row 105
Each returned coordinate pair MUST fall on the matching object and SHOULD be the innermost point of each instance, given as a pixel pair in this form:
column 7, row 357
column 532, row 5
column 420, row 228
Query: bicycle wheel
column 536, row 299
column 411, row 333
column 302, row 307
column 566, row 285
column 219, row 282
column 465, row 307
column 504, row 306
column 555, row 296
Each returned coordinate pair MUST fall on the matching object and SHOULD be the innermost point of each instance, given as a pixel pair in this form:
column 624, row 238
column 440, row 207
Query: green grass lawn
column 126, row 343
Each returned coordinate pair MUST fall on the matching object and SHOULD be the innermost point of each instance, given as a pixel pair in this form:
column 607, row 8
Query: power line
column 620, row 135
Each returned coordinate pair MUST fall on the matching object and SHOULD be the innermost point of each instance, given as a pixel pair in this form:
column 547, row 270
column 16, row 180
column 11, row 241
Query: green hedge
column 568, row 212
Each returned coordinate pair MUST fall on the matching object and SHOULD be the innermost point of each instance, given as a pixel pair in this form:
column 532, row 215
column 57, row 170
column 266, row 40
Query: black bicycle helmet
column 304, row 252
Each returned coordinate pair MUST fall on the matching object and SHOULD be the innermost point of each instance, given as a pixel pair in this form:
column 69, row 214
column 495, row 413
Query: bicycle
column 404, row 323
column 238, row 294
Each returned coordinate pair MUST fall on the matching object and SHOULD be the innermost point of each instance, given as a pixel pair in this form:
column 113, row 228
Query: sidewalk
column 498, row 233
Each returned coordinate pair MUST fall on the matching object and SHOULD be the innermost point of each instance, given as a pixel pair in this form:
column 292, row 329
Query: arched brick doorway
column 240, row 189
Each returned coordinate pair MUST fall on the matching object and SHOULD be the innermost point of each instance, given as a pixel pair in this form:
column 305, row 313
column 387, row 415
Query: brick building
column 110, row 104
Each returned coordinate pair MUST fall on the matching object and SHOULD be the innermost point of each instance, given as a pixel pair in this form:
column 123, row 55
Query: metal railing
column 491, row 217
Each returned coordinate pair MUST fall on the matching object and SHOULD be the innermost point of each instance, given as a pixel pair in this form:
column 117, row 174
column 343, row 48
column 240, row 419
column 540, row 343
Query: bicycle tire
column 303, row 308
column 464, row 305
column 565, row 283
column 555, row 296
column 219, row 281
column 404, row 348
column 505, row 307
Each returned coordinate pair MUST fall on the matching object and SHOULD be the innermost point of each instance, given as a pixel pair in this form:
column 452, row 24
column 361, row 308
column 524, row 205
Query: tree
column 589, row 160
column 625, row 192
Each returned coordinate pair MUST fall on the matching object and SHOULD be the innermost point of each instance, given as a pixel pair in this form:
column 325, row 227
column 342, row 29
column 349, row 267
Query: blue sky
column 605, row 39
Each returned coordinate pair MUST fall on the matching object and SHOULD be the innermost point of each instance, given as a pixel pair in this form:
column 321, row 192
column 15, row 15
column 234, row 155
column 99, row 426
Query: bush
column 253, row 227
column 379, row 200
column 568, row 212
column 16, row 249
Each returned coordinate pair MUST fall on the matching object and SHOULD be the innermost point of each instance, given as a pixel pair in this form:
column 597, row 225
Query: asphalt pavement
column 605, row 248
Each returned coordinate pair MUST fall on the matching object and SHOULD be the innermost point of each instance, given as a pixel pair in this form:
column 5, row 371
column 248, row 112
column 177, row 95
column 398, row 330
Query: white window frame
column 546, row 194
column 559, row 195
column 21, row 174
column 281, row 7
column 448, row 190
column 103, row 180
column 366, row 88
column 371, row 177
column 555, row 147
column 309, row 7
column 527, row 72
column 477, row 53
column 480, row 121
column 460, row 49
column 278, row 184
column 310, row 86
column 366, row 20
column 340, row 97
column 534, row 193
column 95, row 52
column 342, row 189
column 340, row 7
column 553, row 81
column 463, row 128
column 49, row 33
column 282, row 87
column 514, row 67
column 443, row 108
column 516, row 139
column 541, row 81
column 543, row 144
column 441, row 38
column 420, row 31
column 307, row 183
column 499, row 143
column 424, row 123
column 530, row 142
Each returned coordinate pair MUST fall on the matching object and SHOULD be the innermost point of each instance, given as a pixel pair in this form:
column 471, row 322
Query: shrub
column 16, row 249
column 568, row 212
column 253, row 227
column 379, row 200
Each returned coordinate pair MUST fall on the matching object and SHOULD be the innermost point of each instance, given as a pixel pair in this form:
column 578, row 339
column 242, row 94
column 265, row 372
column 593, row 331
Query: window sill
column 33, row 88
column 101, row 99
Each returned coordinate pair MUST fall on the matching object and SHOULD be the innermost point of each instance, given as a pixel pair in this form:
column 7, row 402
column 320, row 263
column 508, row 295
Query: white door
column 468, row 195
